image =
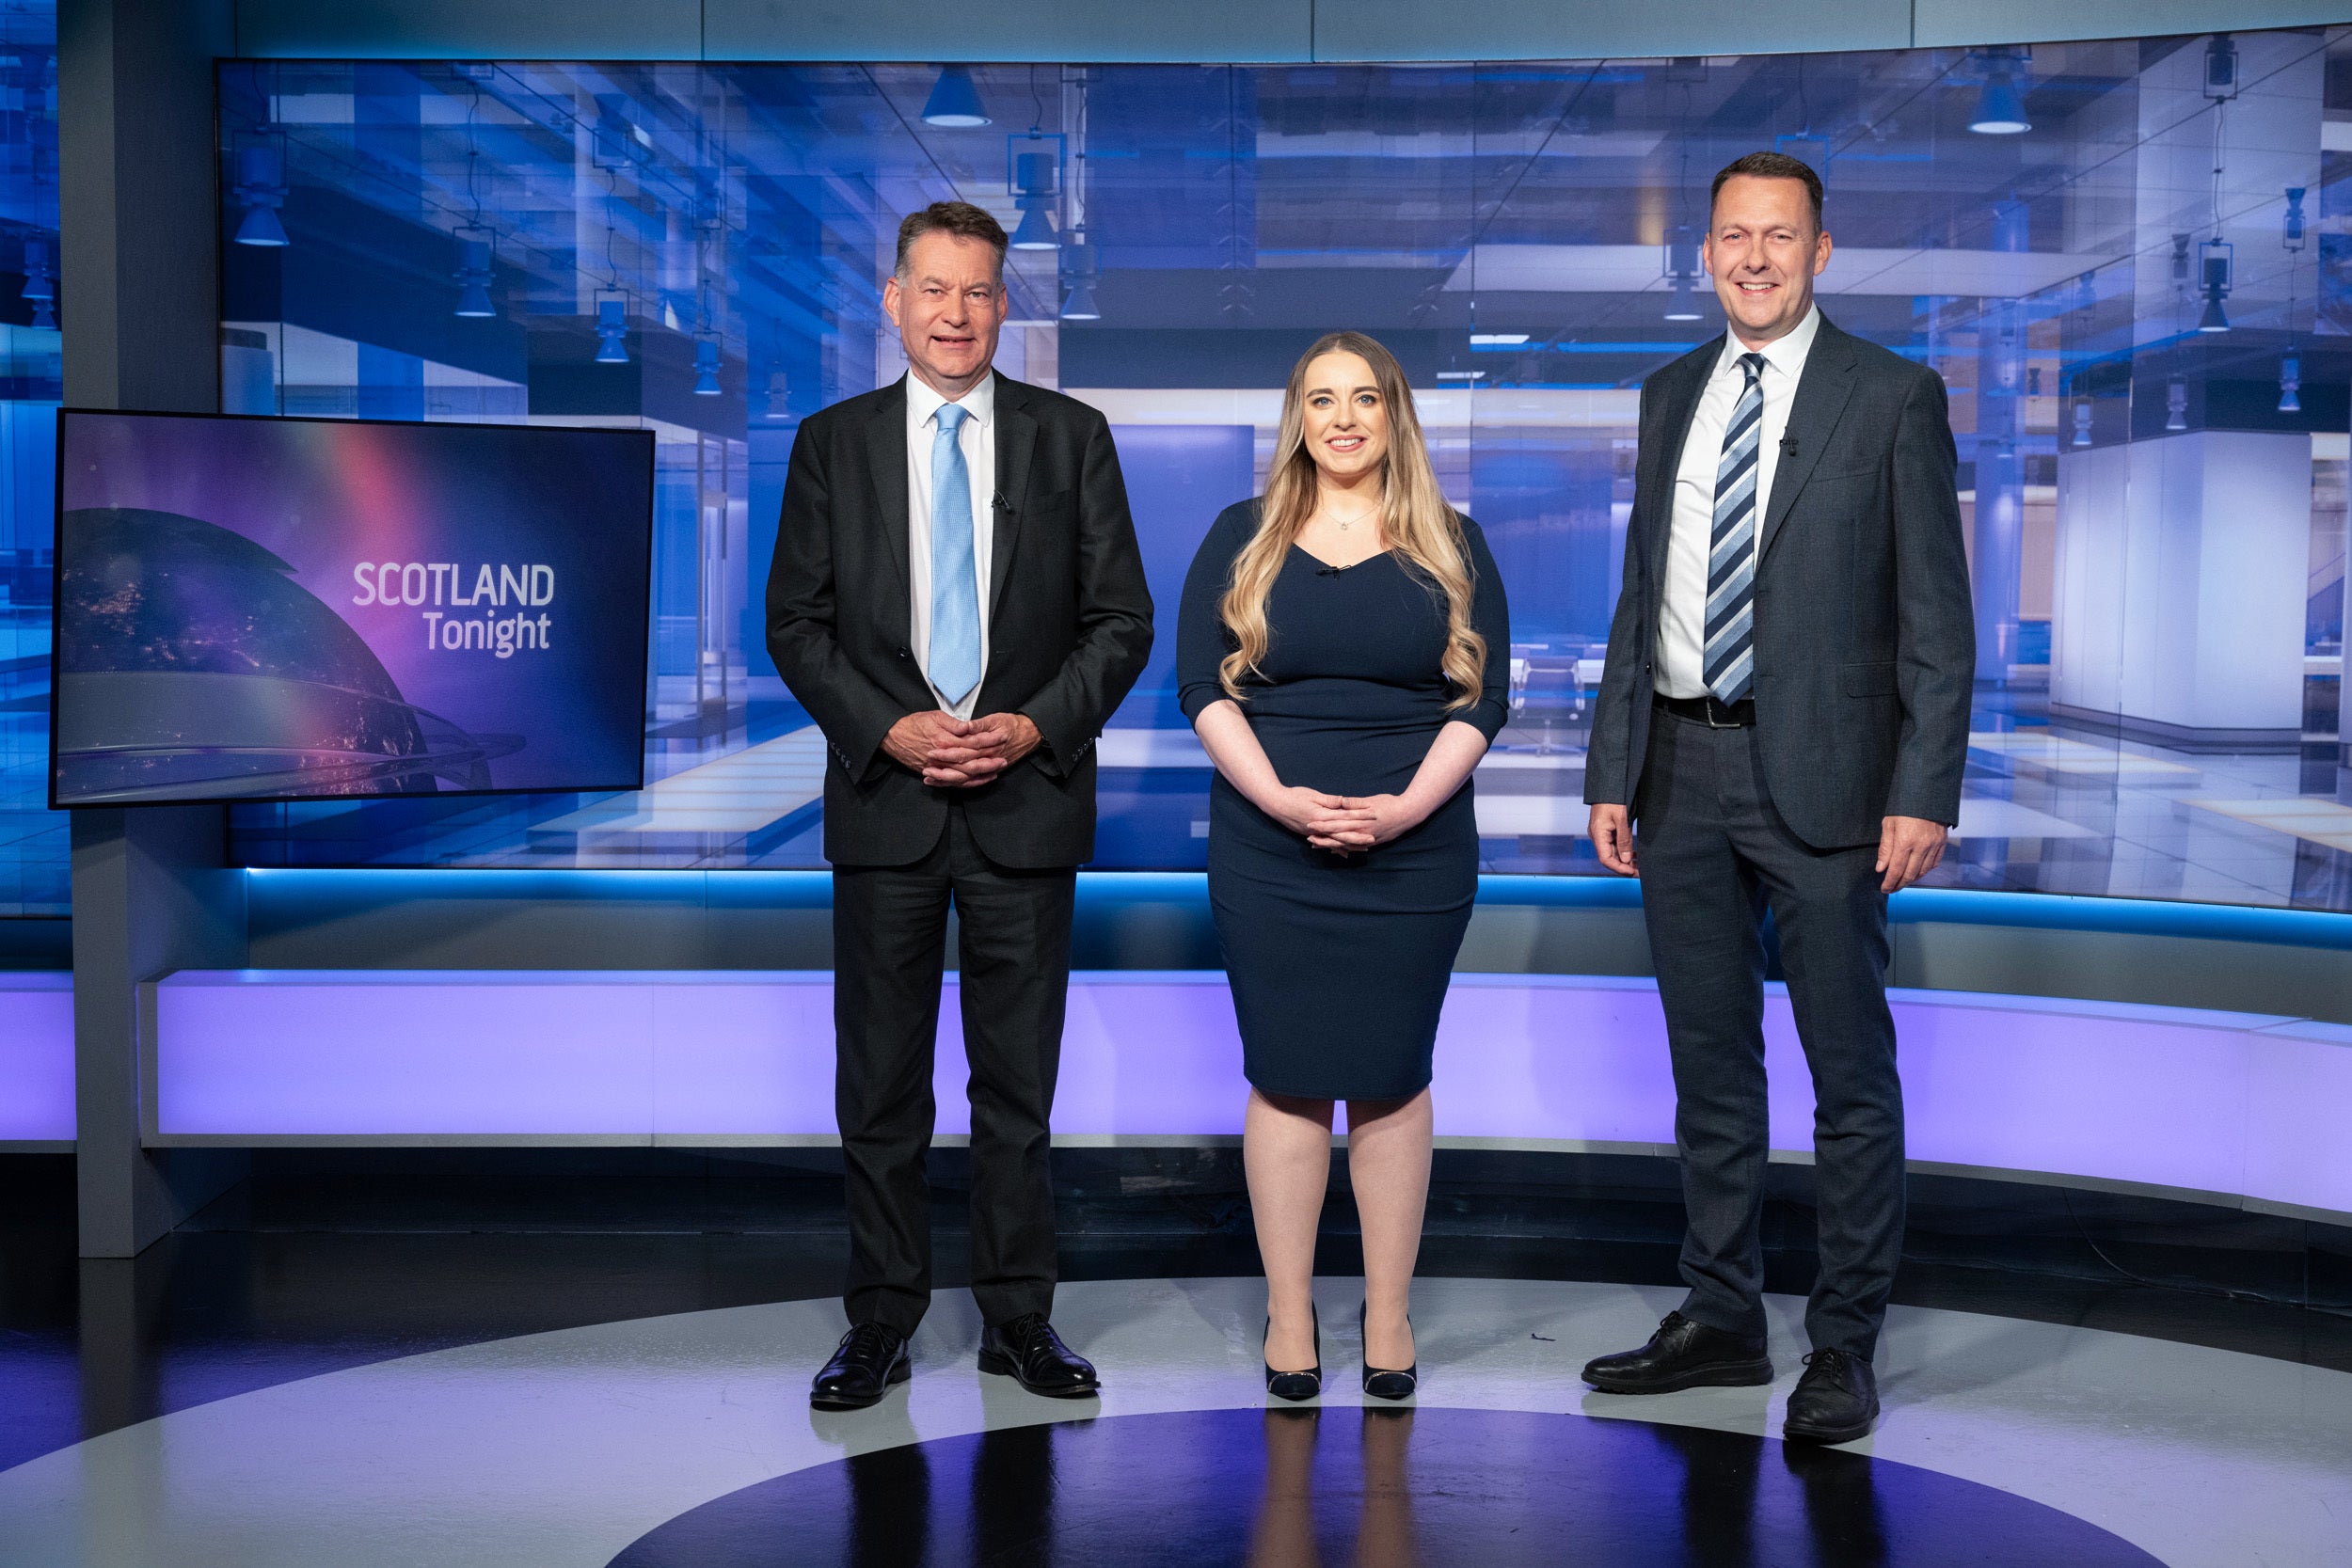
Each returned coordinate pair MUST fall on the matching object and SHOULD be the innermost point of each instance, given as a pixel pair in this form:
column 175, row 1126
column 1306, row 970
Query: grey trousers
column 1714, row 856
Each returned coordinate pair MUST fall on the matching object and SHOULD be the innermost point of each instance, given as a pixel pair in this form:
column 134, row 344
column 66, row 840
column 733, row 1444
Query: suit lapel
column 887, row 457
column 1016, row 439
column 1820, row 399
column 1682, row 403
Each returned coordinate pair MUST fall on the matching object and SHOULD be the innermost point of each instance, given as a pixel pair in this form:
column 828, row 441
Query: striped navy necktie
column 1729, row 662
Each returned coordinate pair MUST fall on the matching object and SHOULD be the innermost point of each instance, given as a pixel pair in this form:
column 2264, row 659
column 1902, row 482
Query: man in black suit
column 1784, row 717
column 958, row 602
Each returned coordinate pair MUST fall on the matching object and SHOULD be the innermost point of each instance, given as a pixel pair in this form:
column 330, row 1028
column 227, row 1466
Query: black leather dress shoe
column 1836, row 1401
column 1682, row 1355
column 1027, row 1349
column 871, row 1358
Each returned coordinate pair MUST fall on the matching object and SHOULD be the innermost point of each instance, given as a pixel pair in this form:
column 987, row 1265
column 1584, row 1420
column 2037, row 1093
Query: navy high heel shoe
column 1382, row 1383
column 1297, row 1386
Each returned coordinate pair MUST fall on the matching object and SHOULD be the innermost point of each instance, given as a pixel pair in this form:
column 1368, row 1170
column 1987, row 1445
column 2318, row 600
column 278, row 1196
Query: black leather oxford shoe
column 1027, row 1349
column 870, row 1359
column 1836, row 1401
column 1682, row 1355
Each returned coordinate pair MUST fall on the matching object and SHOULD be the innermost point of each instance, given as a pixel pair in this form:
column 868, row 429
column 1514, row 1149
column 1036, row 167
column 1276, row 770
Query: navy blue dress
column 1339, row 964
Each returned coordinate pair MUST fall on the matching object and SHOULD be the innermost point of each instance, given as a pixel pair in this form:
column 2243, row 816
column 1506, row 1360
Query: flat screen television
column 266, row 608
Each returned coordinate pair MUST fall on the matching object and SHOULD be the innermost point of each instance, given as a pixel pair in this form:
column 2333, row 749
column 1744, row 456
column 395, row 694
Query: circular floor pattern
column 564, row 1450
column 1429, row 1488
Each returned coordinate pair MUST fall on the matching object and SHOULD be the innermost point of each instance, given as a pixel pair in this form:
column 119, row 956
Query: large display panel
column 274, row 609
column 2124, row 258
column 34, row 852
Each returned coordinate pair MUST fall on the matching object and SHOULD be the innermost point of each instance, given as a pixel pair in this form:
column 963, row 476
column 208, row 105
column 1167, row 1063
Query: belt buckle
column 1707, row 704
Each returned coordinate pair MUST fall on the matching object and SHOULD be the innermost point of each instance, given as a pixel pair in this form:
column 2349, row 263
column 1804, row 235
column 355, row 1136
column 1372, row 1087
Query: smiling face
column 1343, row 418
column 1763, row 248
column 949, row 307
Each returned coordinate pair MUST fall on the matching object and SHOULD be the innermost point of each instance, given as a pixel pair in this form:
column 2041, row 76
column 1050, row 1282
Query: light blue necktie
column 1730, row 653
column 954, row 665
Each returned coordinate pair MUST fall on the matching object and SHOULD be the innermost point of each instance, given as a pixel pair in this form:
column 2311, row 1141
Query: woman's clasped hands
column 1343, row 824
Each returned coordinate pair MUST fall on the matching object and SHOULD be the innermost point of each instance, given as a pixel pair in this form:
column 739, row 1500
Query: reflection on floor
column 1381, row 1488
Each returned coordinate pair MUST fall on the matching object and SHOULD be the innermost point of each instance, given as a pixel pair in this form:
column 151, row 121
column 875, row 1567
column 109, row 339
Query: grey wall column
column 140, row 299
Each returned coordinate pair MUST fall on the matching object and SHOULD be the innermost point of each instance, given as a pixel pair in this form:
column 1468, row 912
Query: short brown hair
column 1755, row 166
column 959, row 218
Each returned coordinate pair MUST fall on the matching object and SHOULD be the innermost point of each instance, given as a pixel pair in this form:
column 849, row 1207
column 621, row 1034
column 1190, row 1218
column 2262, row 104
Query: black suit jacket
column 1070, row 623
column 1865, row 640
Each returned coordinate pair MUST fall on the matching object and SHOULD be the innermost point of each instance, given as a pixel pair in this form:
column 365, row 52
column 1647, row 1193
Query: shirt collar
column 1785, row 353
column 923, row 404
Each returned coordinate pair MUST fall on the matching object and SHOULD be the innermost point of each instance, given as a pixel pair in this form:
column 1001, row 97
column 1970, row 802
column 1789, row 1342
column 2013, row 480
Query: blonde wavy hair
column 1422, row 531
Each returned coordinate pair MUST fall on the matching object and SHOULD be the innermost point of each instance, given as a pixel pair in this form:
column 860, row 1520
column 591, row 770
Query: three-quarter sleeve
column 1201, row 639
column 1490, row 615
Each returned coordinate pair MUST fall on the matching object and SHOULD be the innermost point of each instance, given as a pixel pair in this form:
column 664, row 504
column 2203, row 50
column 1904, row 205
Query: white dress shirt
column 1682, row 617
column 978, row 437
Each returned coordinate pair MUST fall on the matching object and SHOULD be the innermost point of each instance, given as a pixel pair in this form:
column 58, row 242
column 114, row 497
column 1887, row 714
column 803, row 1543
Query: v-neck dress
column 1339, row 964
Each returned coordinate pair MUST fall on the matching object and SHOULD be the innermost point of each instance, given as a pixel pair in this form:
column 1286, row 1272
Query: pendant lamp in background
column 955, row 101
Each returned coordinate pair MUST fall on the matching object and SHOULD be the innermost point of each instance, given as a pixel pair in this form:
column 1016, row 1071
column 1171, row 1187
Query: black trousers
column 889, row 933
column 1714, row 856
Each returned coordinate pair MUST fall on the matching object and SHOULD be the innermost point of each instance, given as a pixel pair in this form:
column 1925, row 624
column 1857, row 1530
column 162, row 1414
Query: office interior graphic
column 32, row 840
column 2122, row 257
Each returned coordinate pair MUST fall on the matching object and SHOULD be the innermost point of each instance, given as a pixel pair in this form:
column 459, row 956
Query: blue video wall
column 33, row 848
column 2125, row 257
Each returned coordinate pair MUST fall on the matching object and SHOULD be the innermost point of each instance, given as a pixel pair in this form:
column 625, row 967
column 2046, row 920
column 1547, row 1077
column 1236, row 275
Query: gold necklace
column 1346, row 523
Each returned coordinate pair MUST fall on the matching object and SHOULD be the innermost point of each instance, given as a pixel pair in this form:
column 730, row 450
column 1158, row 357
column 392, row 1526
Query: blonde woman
column 1343, row 650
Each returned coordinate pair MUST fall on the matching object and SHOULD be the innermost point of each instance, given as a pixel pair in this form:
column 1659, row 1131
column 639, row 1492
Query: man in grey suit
column 1782, row 727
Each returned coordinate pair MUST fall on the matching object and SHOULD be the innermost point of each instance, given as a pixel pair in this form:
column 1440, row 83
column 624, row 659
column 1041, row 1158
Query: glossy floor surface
column 581, row 1360
column 1430, row 1487
column 613, row 1442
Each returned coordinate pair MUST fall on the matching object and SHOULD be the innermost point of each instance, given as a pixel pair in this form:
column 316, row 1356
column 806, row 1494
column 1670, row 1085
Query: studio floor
column 367, row 1370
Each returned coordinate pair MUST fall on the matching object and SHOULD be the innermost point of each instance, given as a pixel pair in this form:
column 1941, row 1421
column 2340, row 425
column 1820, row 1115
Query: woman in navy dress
column 1342, row 650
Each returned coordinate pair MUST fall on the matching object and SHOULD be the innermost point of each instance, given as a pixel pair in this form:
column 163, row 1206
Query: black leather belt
column 1709, row 710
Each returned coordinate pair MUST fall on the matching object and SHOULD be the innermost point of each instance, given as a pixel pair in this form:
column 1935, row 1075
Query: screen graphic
column 263, row 609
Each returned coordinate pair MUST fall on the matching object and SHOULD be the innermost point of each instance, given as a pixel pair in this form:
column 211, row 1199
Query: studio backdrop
column 2125, row 259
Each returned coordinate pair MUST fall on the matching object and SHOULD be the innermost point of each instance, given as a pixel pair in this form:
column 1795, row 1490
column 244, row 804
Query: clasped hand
column 1344, row 824
column 960, row 753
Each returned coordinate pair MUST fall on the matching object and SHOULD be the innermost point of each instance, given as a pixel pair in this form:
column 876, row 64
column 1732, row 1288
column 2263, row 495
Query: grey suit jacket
column 1865, row 640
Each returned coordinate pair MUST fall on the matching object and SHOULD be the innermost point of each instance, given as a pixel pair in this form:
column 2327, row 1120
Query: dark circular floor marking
column 1434, row 1488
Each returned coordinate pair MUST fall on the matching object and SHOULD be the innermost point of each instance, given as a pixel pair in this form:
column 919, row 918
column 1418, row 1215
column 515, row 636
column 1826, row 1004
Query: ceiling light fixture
column 955, row 101
column 261, row 191
column 40, row 289
column 611, row 331
column 1080, row 268
column 2214, row 270
column 473, row 273
column 1682, row 271
column 2001, row 105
